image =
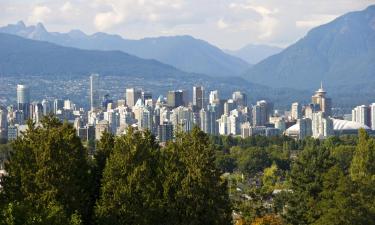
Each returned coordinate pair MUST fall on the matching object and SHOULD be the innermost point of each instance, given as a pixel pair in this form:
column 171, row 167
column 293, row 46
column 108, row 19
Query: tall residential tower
column 94, row 92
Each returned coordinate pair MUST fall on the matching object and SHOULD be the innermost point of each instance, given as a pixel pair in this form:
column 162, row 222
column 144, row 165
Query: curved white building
column 340, row 127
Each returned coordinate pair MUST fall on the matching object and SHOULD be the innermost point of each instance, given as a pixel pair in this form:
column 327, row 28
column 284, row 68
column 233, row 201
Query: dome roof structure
column 338, row 125
column 348, row 125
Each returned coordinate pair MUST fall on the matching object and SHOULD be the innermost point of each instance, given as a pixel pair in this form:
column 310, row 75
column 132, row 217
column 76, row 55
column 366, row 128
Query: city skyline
column 163, row 116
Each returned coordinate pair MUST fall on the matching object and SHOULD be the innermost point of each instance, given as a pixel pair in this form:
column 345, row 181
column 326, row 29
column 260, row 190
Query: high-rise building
column 23, row 100
column 372, row 112
column 322, row 127
column 146, row 95
column 198, row 97
column 175, row 98
column 214, row 97
column 47, row 109
column 58, row 104
column 94, row 92
column 239, row 98
column 182, row 119
column 3, row 123
column 132, row 96
column 229, row 105
column 305, row 128
column 37, row 112
column 165, row 132
column 208, row 123
column 321, row 99
column 296, row 111
column 362, row 114
column 100, row 128
column 143, row 115
column 106, row 101
column 262, row 112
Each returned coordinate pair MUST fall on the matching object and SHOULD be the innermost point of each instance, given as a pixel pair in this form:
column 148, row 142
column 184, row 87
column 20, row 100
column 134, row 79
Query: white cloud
column 40, row 13
column 67, row 7
column 221, row 24
column 106, row 20
column 226, row 23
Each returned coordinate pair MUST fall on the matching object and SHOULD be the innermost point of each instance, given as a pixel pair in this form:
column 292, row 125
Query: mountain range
column 183, row 52
column 340, row 53
column 20, row 56
column 56, row 70
column 253, row 53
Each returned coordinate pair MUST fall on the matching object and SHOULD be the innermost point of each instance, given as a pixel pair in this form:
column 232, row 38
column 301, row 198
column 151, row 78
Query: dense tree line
column 130, row 179
column 196, row 179
column 328, row 181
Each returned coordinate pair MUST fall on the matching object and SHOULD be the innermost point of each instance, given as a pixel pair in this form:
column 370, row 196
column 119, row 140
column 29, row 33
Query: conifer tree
column 48, row 178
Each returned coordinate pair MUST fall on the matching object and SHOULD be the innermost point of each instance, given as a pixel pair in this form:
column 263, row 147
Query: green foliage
column 363, row 166
column 131, row 186
column 48, row 176
column 143, row 184
column 333, row 183
column 199, row 195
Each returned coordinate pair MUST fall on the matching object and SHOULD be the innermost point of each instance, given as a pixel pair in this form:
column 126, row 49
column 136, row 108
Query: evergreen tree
column 306, row 180
column 131, row 190
column 195, row 192
column 363, row 166
column 48, row 178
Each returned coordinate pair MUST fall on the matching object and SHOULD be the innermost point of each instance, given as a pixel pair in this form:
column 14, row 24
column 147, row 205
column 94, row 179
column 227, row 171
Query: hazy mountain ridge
column 40, row 62
column 253, row 53
column 24, row 56
column 183, row 52
column 340, row 53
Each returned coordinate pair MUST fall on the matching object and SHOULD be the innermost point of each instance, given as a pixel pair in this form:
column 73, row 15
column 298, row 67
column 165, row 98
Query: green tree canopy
column 48, row 178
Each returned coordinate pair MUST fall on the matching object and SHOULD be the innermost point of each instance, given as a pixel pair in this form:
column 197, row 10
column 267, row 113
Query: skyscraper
column 175, row 98
column 58, row 104
column 296, row 111
column 262, row 112
column 3, row 123
column 322, row 127
column 46, row 107
column 363, row 115
column 321, row 99
column 239, row 98
column 23, row 100
column 94, row 92
column 214, row 97
column 132, row 95
column 165, row 132
column 198, row 97
column 372, row 111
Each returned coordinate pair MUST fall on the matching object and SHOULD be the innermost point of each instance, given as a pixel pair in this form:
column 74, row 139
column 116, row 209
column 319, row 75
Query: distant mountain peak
column 254, row 53
column 341, row 52
column 77, row 33
column 183, row 52
column 21, row 24
column 40, row 26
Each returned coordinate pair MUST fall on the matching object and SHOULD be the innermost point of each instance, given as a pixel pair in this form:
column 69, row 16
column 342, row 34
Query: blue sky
column 229, row 24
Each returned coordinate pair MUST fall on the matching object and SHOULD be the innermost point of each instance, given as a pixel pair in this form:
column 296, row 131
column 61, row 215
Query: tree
column 363, row 166
column 341, row 201
column 270, row 178
column 131, row 190
column 225, row 162
column 253, row 160
column 48, row 178
column 194, row 190
column 306, row 181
